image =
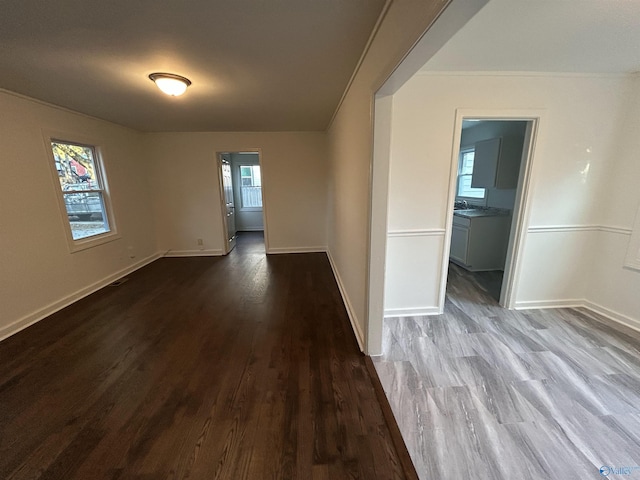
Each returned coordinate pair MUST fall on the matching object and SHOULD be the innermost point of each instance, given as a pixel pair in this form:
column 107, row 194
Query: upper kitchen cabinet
column 497, row 162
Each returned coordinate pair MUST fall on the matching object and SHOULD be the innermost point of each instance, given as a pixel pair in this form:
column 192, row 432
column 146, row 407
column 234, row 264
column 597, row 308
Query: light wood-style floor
column 485, row 393
column 243, row 367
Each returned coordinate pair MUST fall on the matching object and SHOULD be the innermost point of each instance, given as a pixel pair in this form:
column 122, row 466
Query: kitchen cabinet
column 480, row 243
column 496, row 163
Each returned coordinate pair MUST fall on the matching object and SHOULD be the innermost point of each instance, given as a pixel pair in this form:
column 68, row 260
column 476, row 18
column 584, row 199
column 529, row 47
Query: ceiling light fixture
column 170, row 84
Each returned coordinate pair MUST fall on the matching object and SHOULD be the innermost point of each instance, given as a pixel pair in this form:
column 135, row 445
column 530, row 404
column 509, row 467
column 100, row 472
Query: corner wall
column 613, row 289
column 572, row 202
column 38, row 273
column 350, row 139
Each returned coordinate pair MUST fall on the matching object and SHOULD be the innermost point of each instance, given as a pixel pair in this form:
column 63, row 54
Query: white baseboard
column 279, row 250
column 609, row 314
column 53, row 307
column 345, row 298
column 194, row 253
column 567, row 303
column 411, row 312
column 612, row 315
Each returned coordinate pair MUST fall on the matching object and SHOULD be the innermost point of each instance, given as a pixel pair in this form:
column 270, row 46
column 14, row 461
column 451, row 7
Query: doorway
column 243, row 211
column 490, row 177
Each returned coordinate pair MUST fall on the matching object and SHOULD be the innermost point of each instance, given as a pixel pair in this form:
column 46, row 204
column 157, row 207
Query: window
column 465, row 172
column 82, row 190
column 250, row 186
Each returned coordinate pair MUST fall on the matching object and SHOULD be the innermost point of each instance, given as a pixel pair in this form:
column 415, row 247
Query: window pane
column 251, row 186
column 252, row 197
column 76, row 166
column 467, row 163
column 255, row 173
column 250, row 175
column 86, row 214
column 465, row 189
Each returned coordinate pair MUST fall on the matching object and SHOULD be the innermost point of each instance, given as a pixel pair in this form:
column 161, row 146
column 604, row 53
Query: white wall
column 38, row 273
column 168, row 177
column 578, row 144
column 246, row 220
column 350, row 151
column 612, row 288
column 186, row 188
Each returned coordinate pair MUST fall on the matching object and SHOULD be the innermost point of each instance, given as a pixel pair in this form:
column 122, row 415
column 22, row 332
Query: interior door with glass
column 227, row 186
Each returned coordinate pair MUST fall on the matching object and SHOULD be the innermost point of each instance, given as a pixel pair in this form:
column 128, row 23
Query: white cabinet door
column 485, row 163
column 459, row 243
column 480, row 243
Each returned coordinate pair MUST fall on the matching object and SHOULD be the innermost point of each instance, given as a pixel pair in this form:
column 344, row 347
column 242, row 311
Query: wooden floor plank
column 242, row 367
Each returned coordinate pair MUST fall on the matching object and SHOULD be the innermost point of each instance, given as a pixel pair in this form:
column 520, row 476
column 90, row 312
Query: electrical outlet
column 131, row 252
column 200, row 243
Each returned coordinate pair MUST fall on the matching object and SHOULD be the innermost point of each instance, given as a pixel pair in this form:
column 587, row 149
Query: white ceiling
column 581, row 36
column 256, row 65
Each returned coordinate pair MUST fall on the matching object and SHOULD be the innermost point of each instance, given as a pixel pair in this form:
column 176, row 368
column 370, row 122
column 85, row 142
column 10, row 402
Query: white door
column 230, row 211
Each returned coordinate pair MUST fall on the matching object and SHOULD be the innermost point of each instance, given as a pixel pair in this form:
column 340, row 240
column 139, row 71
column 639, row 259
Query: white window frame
column 101, row 174
column 476, row 200
column 242, row 207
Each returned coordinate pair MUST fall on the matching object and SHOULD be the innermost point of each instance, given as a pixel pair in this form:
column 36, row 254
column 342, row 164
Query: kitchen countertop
column 484, row 212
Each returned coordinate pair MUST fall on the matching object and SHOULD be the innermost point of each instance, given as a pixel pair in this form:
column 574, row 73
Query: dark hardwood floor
column 242, row 367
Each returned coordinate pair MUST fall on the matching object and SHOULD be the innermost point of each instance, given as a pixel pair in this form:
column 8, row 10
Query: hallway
column 237, row 367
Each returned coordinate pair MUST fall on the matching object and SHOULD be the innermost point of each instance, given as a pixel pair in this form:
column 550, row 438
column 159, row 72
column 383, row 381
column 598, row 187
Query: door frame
column 521, row 209
column 224, row 229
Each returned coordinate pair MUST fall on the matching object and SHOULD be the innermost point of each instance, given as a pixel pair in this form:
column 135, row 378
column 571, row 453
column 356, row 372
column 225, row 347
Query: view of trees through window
column 81, row 187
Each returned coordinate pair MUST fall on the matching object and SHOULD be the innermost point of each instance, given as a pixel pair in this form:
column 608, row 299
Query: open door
column 489, row 191
column 228, row 204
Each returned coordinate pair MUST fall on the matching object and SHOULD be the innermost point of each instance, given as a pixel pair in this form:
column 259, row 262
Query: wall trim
column 411, row 312
column 535, row 304
column 562, row 228
column 372, row 36
column 345, row 298
column 609, row 314
column 618, row 230
column 194, row 253
column 579, row 228
column 612, row 315
column 251, row 229
column 58, row 305
column 66, row 109
column 279, row 250
column 516, row 73
column 426, row 232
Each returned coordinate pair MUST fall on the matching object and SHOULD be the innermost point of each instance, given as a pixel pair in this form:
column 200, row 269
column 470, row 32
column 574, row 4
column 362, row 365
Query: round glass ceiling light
column 170, row 84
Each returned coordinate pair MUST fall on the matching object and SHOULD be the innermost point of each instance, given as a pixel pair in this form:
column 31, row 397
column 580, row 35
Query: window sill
column 93, row 241
column 475, row 201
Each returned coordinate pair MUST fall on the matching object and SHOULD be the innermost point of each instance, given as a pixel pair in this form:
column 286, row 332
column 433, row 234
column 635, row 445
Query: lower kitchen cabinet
column 480, row 243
